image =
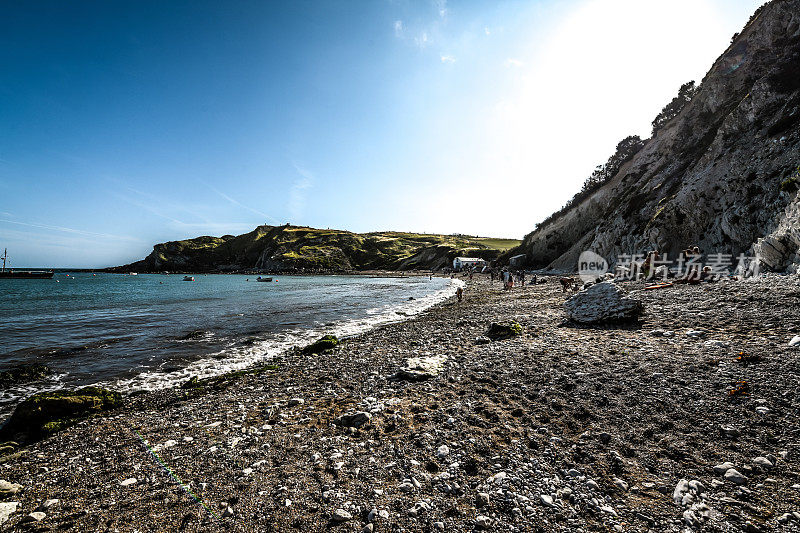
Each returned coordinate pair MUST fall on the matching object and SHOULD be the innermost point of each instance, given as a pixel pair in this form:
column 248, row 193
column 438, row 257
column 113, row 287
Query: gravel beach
column 687, row 419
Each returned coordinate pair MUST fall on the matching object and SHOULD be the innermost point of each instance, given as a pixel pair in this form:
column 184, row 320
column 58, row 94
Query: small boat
column 188, row 278
column 259, row 278
column 22, row 274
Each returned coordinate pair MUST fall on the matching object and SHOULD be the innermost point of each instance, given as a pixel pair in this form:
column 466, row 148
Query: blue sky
column 123, row 124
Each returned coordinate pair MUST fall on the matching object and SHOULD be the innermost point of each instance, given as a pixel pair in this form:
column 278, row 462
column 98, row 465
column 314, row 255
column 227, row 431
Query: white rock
column 483, row 522
column 547, row 500
column 680, row 490
column 36, row 516
column 7, row 509
column 443, row 451
column 763, row 461
column 795, row 341
column 734, row 476
column 129, row 481
column 723, row 467
column 340, row 515
column 695, row 333
column 7, row 488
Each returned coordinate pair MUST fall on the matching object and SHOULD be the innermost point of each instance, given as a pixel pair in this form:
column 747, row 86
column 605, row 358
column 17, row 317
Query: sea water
column 153, row 331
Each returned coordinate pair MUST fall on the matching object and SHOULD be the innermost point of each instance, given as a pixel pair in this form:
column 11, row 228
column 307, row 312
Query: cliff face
column 722, row 175
column 290, row 248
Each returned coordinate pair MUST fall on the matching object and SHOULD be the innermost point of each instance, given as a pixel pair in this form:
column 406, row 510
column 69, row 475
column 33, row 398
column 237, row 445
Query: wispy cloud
column 298, row 192
column 422, row 40
column 239, row 204
column 487, row 31
column 70, row 230
column 398, row 28
column 448, row 59
column 441, row 6
column 513, row 63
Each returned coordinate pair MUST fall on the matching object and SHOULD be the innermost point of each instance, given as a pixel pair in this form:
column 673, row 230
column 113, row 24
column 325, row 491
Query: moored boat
column 22, row 274
column 188, row 278
column 259, row 278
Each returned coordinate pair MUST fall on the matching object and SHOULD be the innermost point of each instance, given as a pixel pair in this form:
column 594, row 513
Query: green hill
column 293, row 248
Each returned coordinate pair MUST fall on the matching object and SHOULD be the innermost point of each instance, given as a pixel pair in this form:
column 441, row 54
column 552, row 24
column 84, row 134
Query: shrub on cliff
column 672, row 109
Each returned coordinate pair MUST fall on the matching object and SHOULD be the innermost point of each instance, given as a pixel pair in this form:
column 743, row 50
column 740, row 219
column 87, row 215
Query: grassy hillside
column 293, row 248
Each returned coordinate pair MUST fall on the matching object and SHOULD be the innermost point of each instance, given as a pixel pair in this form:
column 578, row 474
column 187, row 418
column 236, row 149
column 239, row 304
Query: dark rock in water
column 193, row 335
column 22, row 374
column 327, row 342
column 604, row 302
column 47, row 412
column 504, row 331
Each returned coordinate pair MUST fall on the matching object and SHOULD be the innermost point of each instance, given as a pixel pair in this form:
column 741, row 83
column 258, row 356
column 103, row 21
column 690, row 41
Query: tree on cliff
column 671, row 110
column 626, row 149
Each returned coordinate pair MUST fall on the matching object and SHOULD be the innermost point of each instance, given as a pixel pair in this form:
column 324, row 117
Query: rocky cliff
column 722, row 174
column 291, row 248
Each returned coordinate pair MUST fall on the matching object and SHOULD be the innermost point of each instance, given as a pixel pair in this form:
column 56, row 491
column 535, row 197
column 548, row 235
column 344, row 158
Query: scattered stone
column 502, row 331
column 603, row 302
column 734, row 476
column 547, row 500
column 293, row 402
column 340, row 515
column 763, row 462
column 327, row 342
column 695, row 333
column 680, row 490
column 7, row 509
column 421, row 368
column 482, row 500
column 129, row 481
column 354, row 420
column 621, row 484
column 729, row 431
column 8, row 489
column 795, row 341
column 723, row 467
column 483, row 522
column 36, row 516
column 443, row 451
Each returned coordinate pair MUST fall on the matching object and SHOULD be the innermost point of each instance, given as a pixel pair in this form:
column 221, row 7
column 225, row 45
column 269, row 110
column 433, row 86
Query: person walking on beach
column 522, row 278
column 460, row 293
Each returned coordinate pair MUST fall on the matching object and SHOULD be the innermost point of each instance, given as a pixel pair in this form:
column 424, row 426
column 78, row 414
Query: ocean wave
column 244, row 353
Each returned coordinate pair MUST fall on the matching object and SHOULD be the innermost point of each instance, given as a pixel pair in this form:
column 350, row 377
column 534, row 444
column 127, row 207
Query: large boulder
column 603, row 302
column 47, row 412
column 327, row 342
column 506, row 330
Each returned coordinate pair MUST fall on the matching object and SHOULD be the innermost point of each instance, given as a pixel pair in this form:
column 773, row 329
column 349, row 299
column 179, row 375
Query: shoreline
column 564, row 427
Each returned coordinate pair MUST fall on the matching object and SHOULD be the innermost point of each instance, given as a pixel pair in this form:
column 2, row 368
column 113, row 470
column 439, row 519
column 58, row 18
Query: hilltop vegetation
column 294, row 248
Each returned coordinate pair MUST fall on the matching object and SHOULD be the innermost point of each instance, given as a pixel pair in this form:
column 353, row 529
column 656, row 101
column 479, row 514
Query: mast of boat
column 5, row 254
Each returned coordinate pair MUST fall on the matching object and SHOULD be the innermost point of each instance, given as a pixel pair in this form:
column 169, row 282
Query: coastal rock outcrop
column 603, row 302
column 721, row 174
column 47, row 412
column 303, row 249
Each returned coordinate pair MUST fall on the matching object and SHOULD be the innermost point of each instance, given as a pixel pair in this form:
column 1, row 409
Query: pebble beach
column 688, row 418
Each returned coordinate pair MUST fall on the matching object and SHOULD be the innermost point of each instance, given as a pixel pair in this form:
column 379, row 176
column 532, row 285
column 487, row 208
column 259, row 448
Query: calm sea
column 153, row 331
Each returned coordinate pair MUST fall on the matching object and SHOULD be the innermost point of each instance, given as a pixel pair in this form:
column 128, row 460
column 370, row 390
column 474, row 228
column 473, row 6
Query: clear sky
column 124, row 124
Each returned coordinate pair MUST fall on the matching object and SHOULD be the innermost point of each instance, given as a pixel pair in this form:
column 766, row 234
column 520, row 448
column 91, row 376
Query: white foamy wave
column 235, row 358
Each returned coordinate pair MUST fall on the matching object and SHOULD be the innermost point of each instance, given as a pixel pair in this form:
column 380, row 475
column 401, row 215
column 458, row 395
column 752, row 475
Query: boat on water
column 22, row 274
column 188, row 278
column 259, row 278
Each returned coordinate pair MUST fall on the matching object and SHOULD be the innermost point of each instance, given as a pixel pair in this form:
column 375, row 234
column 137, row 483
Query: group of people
column 508, row 278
